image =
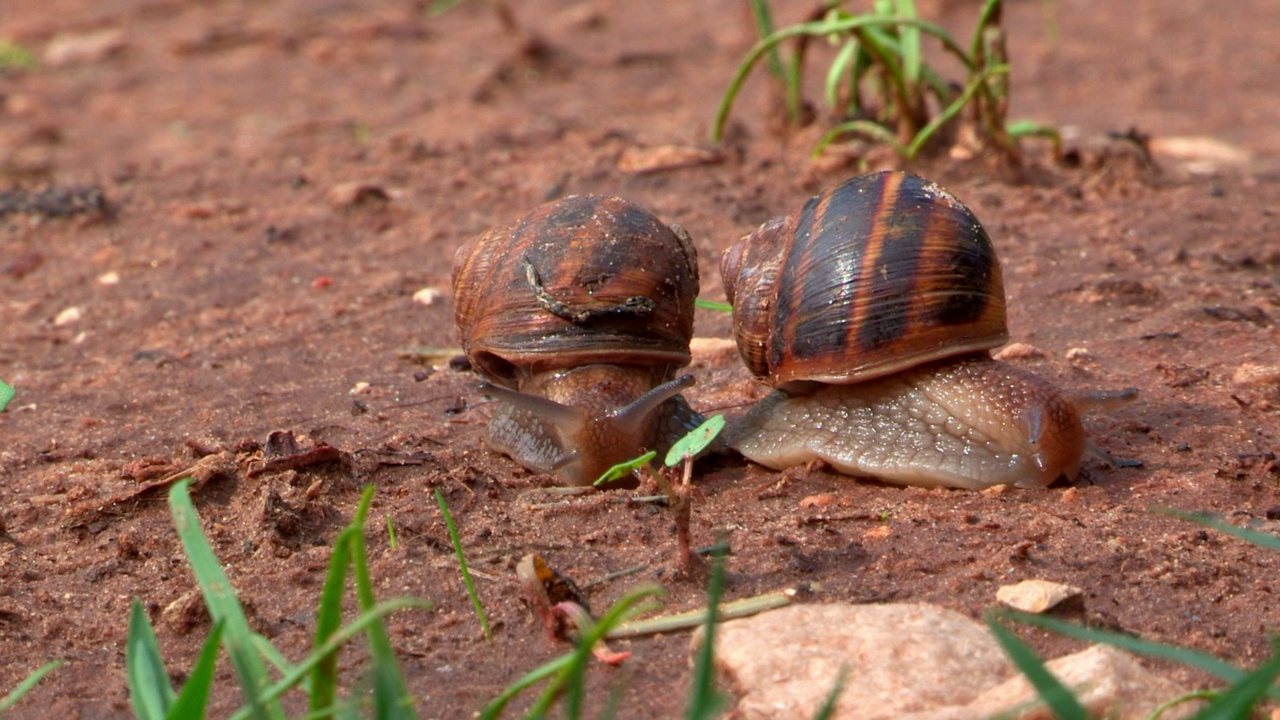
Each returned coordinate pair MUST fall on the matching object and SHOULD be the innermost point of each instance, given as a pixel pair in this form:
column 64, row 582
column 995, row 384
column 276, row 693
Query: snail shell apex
column 880, row 273
column 582, row 280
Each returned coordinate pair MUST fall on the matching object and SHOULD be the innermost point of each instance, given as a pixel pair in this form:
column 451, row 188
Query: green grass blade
column 360, row 624
column 712, row 305
column 6, row 394
column 224, row 606
column 574, row 673
column 1271, row 542
column 840, row 68
column 1239, row 700
column 324, row 676
column 24, row 687
column 986, row 18
column 1055, row 695
column 764, row 26
column 150, row 693
column 704, row 701
column 875, row 131
column 390, row 694
column 911, row 51
column 550, row 669
column 948, row 113
column 828, row 709
column 462, row 563
column 1185, row 656
column 194, row 698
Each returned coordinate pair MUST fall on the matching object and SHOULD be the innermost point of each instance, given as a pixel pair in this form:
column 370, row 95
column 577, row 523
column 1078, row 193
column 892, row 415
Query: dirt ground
column 281, row 177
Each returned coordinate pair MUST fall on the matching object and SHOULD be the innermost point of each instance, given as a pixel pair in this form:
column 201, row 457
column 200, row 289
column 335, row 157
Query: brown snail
column 577, row 316
column 871, row 310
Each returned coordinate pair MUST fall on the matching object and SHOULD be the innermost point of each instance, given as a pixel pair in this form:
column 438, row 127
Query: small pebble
column 1018, row 351
column 1081, row 358
column 428, row 296
column 1252, row 374
column 68, row 316
column 1035, row 596
column 109, row 278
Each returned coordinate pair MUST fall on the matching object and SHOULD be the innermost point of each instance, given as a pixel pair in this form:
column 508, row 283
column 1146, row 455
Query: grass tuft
column 879, row 86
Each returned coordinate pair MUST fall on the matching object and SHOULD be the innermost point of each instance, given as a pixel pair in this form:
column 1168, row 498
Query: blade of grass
column 873, row 130
column 764, row 26
column 360, row 624
column 390, row 694
column 462, row 564
column 828, row 709
column 1055, row 695
column 24, row 687
column 952, row 110
column 712, row 305
column 574, row 671
column 911, row 53
column 840, row 67
column 194, row 698
column 1239, row 700
column 1185, row 656
column 224, row 606
column 324, row 676
column 1260, row 539
column 704, row 701
column 150, row 693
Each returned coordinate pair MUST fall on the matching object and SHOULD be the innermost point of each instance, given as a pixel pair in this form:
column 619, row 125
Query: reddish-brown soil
column 257, row 289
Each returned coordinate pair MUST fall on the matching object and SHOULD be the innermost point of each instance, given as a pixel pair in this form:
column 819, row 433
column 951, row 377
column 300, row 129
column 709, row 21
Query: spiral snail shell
column 577, row 316
column 871, row 309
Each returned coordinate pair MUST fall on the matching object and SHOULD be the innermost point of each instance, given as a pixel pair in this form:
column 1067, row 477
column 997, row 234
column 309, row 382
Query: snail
column 871, row 310
column 577, row 317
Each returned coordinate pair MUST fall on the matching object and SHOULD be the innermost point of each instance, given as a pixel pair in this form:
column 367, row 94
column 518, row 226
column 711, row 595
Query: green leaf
column 1060, row 700
column 194, row 698
column 149, row 690
column 24, row 687
column 224, row 606
column 695, row 441
column 6, row 394
column 624, row 469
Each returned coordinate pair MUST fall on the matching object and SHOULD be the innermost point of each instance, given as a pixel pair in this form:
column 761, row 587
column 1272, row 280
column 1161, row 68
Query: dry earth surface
column 282, row 176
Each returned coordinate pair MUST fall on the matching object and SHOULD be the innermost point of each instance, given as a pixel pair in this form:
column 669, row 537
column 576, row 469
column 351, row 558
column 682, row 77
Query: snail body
column 577, row 316
column 871, row 310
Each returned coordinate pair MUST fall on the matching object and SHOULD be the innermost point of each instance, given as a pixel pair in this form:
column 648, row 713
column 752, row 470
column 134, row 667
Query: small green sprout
column 624, row 469
column 6, row 394
column 462, row 563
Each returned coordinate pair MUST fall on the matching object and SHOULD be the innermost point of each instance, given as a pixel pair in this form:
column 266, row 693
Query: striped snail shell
column 871, row 309
column 577, row 316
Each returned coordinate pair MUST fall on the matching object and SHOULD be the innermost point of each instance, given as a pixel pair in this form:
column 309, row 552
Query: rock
column 1018, row 351
column 641, row 161
column 901, row 658
column 1253, row 374
column 1035, row 596
column 1108, row 682
column 87, row 47
column 910, row 661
